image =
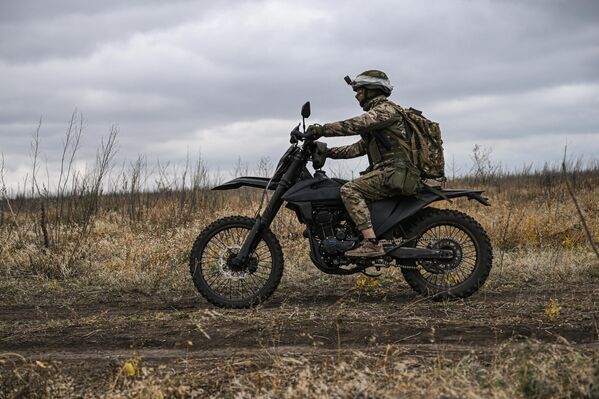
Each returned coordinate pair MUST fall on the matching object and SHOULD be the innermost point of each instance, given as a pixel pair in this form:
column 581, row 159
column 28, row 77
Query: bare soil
column 91, row 330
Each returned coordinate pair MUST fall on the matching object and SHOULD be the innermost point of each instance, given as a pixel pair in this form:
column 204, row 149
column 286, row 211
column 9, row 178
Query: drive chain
column 399, row 242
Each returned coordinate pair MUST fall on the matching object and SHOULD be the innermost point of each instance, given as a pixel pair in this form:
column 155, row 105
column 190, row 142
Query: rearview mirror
column 306, row 110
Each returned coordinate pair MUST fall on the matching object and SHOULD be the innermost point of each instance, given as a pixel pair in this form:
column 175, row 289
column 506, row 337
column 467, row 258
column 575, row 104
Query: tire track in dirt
column 152, row 324
column 156, row 355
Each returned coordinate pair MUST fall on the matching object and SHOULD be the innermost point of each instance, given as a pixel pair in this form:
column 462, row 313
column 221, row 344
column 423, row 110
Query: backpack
column 425, row 144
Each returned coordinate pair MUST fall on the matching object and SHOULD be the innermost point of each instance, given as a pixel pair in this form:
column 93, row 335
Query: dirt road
column 90, row 334
column 171, row 325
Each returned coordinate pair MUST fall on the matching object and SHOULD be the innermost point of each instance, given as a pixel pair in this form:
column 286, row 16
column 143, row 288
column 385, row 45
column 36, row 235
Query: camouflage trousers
column 367, row 188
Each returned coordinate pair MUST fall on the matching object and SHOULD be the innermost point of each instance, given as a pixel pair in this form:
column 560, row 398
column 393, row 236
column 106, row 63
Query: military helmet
column 373, row 79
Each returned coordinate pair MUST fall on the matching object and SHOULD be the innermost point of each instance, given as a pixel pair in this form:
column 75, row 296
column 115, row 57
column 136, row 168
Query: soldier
column 384, row 140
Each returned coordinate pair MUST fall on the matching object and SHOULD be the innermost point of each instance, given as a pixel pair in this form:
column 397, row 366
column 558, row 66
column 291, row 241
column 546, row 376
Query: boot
column 367, row 249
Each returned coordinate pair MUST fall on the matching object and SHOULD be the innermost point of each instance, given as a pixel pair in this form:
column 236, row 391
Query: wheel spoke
column 457, row 273
column 229, row 283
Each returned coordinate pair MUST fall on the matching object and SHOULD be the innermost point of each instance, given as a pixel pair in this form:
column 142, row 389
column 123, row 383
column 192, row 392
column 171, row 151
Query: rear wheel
column 222, row 282
column 470, row 265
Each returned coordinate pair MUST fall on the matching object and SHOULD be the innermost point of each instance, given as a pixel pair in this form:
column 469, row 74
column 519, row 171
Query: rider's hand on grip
column 314, row 132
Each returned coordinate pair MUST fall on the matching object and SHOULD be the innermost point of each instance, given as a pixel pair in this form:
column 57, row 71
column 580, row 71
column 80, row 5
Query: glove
column 314, row 132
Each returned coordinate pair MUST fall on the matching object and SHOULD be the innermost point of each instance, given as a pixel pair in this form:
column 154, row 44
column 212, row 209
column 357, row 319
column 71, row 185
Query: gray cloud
column 186, row 74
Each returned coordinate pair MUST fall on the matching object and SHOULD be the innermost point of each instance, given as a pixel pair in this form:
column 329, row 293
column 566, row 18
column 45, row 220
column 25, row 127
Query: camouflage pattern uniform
column 390, row 173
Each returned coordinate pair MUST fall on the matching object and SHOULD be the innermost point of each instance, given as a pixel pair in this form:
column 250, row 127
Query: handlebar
column 296, row 136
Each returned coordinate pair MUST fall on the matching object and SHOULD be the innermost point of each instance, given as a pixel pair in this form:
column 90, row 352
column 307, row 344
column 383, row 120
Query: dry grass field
column 96, row 301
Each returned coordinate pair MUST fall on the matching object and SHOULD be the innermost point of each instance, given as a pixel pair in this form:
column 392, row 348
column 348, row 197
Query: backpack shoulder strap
column 412, row 133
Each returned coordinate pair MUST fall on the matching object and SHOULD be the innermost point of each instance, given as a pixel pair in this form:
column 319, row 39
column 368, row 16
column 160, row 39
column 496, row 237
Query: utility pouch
column 403, row 179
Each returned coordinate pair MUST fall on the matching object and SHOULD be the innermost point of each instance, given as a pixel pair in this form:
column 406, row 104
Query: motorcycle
column 237, row 261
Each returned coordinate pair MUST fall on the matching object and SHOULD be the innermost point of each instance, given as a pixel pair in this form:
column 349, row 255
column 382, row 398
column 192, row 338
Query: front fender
column 247, row 181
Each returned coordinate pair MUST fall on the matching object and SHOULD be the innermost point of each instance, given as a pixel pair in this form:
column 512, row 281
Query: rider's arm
column 354, row 150
column 353, row 126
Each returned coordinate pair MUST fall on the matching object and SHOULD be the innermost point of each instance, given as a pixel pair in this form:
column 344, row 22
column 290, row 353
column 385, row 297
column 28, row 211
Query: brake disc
column 224, row 266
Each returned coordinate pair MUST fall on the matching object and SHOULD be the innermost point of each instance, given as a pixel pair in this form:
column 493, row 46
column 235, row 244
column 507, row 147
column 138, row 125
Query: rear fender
column 389, row 212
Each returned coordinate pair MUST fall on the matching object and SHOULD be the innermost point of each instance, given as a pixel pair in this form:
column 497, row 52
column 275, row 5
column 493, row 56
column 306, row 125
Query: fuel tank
column 315, row 189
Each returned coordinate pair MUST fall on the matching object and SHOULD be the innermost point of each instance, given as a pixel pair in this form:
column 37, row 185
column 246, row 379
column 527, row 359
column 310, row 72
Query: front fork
column 272, row 208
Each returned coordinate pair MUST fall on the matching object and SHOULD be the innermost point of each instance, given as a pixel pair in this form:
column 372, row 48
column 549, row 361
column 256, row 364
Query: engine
column 335, row 234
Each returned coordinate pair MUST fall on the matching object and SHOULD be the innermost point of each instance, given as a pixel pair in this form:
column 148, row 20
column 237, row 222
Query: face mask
column 361, row 96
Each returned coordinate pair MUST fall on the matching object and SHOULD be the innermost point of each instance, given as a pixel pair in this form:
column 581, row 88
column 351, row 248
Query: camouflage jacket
column 377, row 110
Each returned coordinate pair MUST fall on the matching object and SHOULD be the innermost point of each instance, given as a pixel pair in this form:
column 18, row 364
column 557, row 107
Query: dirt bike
column 237, row 261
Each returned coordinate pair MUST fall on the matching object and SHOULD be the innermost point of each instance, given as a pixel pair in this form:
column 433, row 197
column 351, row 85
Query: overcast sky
column 228, row 78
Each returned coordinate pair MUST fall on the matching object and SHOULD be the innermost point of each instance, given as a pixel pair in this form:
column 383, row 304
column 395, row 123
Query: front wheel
column 470, row 265
column 225, row 284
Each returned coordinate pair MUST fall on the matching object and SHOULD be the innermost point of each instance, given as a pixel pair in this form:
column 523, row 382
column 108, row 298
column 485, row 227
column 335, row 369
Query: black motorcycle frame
column 293, row 183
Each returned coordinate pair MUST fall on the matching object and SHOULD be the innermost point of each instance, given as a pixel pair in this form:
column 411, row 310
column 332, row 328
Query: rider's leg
column 368, row 233
column 355, row 195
